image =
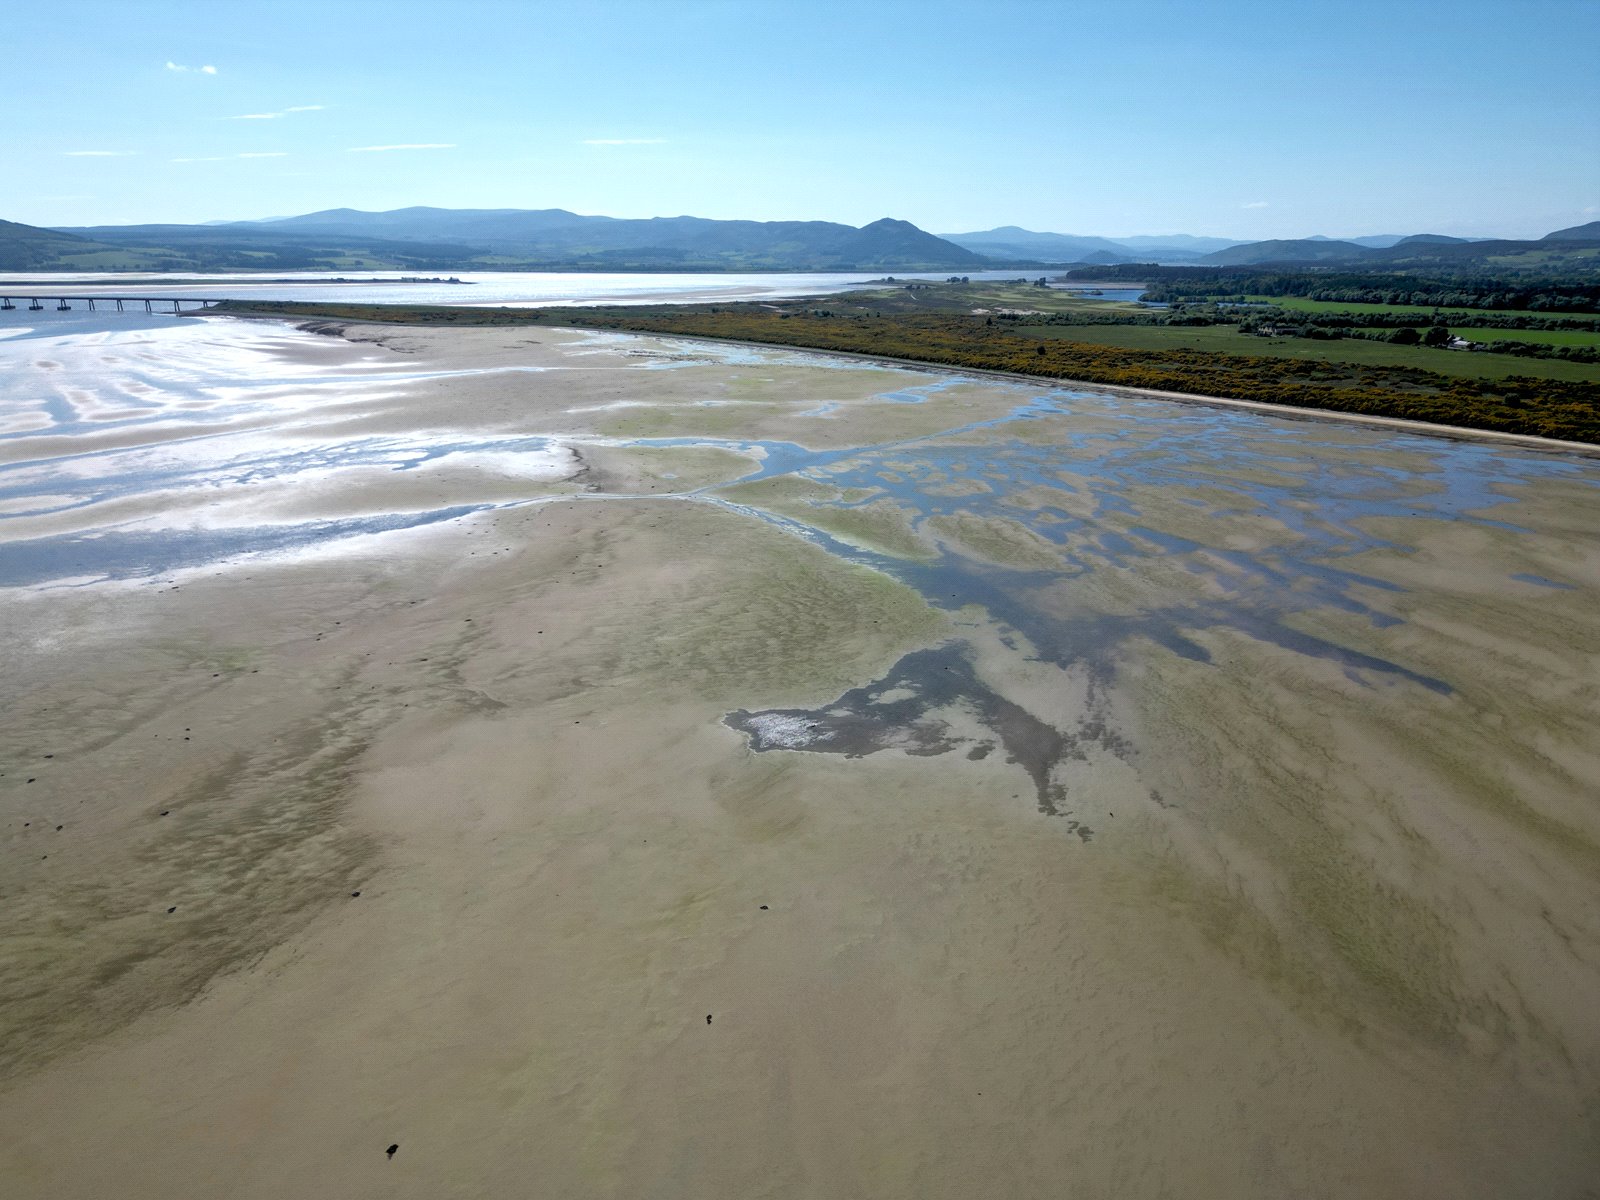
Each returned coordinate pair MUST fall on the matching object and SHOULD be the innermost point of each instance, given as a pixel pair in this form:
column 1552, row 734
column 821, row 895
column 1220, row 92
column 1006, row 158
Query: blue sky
column 1236, row 119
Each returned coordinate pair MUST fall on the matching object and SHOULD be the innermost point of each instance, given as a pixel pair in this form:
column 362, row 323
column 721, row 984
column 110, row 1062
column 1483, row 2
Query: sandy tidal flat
column 601, row 766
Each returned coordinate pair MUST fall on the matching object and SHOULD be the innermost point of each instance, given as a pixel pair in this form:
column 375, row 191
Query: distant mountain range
column 1010, row 242
column 1576, row 233
column 439, row 239
column 509, row 239
column 1577, row 247
column 556, row 234
column 484, row 239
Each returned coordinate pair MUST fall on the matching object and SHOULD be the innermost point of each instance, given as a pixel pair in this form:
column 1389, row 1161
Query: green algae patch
column 235, row 862
column 997, row 539
column 663, row 469
column 778, row 619
column 881, row 525
column 1310, row 876
column 1228, row 917
column 782, row 489
column 688, row 420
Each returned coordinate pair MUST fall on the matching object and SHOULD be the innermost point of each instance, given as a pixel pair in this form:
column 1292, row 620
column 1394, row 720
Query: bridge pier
column 152, row 304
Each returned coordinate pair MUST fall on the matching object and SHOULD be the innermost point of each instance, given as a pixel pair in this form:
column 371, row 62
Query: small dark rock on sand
column 390, row 1151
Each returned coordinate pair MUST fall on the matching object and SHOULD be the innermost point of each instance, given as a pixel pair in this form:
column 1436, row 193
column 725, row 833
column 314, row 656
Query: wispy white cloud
column 205, row 70
column 99, row 153
column 273, row 116
column 1257, row 204
column 404, row 146
column 624, row 141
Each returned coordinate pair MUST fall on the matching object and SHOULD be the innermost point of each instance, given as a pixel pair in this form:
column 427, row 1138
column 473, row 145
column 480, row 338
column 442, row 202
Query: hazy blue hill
column 459, row 239
column 1576, row 253
column 431, row 224
column 29, row 248
column 1577, row 233
column 1011, row 242
column 441, row 239
column 1383, row 241
column 1104, row 258
column 816, row 245
column 249, row 245
column 892, row 239
column 1014, row 243
column 24, row 247
column 556, row 236
column 1183, row 243
column 1294, row 250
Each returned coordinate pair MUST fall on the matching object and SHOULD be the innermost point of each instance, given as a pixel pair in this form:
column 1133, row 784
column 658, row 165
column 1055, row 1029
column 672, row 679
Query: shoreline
column 1290, row 412
column 1293, row 412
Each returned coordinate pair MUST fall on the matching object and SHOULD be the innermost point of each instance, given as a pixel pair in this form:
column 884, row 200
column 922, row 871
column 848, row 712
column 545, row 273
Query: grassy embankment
column 987, row 327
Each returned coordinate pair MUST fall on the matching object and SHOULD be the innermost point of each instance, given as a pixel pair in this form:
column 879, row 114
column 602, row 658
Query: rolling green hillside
column 29, row 248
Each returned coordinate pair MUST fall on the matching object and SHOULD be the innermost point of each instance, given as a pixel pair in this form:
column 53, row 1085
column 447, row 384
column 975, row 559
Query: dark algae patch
column 909, row 709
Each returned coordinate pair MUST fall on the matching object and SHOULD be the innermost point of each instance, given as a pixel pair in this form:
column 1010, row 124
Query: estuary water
column 485, row 288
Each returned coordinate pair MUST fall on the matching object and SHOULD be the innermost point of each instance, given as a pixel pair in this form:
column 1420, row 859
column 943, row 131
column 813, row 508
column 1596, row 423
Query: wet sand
column 1245, row 843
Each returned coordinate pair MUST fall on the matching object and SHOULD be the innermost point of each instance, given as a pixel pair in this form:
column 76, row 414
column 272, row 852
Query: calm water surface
column 508, row 288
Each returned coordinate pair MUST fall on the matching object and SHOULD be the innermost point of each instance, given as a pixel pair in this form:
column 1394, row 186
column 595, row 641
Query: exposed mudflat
column 658, row 768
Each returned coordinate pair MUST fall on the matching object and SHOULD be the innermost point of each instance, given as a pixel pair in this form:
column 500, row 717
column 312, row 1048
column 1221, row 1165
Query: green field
column 1543, row 337
column 1301, row 304
column 1224, row 339
column 974, row 298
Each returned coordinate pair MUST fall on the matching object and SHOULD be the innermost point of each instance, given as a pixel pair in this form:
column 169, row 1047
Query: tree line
column 1466, row 290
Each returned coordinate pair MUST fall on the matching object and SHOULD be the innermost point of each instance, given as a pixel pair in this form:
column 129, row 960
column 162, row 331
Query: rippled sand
column 772, row 775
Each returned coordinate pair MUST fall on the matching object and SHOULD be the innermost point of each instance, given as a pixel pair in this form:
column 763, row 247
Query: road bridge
column 60, row 303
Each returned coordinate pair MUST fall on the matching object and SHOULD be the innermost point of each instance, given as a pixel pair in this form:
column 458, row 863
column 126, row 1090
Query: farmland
column 1224, row 339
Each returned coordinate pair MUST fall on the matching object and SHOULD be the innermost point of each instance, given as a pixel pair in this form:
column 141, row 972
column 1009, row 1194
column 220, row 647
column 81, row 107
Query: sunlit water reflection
column 138, row 447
